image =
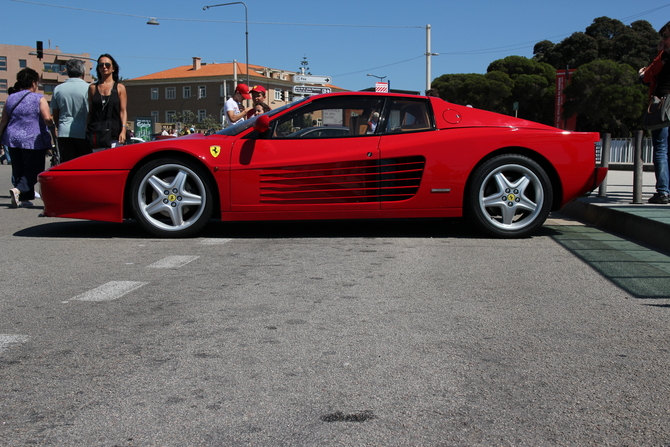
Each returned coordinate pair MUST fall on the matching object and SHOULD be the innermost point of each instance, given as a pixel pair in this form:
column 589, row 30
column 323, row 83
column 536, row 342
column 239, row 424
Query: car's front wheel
column 171, row 197
column 509, row 196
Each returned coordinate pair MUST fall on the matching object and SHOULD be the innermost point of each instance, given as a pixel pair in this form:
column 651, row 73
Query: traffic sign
column 312, row 79
column 309, row 90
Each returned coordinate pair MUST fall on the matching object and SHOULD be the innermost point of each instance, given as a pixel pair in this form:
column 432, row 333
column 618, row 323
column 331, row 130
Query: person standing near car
column 69, row 106
column 107, row 106
column 233, row 110
column 657, row 75
column 24, row 128
column 258, row 95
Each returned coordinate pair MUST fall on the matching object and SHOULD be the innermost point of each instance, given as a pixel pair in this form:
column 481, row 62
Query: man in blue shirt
column 69, row 107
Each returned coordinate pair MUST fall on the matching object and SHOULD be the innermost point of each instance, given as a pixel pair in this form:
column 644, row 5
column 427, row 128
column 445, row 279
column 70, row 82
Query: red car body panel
column 414, row 174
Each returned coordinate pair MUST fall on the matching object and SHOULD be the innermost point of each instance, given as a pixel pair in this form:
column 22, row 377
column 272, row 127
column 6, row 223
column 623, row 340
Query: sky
column 343, row 39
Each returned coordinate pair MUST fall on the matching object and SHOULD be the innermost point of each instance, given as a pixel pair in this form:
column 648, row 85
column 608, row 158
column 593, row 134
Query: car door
column 412, row 154
column 295, row 169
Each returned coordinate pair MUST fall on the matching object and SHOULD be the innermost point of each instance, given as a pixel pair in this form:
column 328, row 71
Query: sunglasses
column 104, row 65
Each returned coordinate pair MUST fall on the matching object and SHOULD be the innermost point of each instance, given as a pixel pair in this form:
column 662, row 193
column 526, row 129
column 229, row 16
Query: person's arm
column 123, row 100
column 45, row 114
column 56, row 118
column 4, row 121
column 91, row 92
column 235, row 118
column 656, row 66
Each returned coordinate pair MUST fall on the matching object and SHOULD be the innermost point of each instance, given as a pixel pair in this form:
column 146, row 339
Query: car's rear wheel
column 171, row 197
column 509, row 196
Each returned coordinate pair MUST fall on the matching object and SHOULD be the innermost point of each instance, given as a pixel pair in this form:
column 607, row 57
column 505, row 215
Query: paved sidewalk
column 645, row 222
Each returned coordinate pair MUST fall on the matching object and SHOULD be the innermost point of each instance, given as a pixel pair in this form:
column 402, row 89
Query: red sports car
column 402, row 156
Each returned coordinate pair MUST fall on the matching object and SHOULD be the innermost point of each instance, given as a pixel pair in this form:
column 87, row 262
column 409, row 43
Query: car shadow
column 419, row 228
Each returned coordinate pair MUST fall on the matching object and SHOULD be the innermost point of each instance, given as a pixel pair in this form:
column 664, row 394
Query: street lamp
column 246, row 27
column 428, row 54
column 381, row 78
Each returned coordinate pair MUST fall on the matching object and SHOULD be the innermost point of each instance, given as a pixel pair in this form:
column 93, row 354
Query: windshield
column 241, row 126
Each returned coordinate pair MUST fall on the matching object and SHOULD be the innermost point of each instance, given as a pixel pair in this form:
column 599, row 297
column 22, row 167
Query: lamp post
column 428, row 54
column 381, row 78
column 246, row 27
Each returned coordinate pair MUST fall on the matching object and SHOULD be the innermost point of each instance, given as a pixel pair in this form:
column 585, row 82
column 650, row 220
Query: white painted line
column 212, row 241
column 7, row 340
column 110, row 291
column 172, row 262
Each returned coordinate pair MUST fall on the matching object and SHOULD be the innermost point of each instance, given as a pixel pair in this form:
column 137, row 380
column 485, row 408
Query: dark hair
column 75, row 68
column 115, row 74
column 25, row 78
column 266, row 108
column 667, row 25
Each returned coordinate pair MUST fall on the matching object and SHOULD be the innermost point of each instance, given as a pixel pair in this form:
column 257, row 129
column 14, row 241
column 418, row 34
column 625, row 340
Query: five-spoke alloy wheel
column 509, row 196
column 171, row 197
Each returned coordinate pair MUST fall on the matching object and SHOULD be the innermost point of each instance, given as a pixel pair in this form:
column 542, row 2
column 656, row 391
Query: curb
column 652, row 233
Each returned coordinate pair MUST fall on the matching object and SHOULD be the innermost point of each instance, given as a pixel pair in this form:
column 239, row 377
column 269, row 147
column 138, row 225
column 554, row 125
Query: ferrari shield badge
column 215, row 151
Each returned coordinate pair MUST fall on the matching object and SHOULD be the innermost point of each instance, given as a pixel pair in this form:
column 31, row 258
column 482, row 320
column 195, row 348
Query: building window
column 156, row 116
column 202, row 115
column 202, row 91
column 23, row 63
column 154, row 93
column 277, row 94
column 169, row 116
column 3, row 86
column 186, row 93
column 170, row 92
column 49, row 89
column 54, row 68
column 3, row 63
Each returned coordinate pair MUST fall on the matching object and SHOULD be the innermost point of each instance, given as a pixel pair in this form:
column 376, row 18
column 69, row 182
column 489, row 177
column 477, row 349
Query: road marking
column 110, row 291
column 7, row 340
column 212, row 241
column 172, row 262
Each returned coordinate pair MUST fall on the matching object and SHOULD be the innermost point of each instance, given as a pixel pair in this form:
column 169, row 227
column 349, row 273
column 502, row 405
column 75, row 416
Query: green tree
column 607, row 97
column 186, row 117
column 533, row 87
column 210, row 123
column 604, row 39
column 487, row 91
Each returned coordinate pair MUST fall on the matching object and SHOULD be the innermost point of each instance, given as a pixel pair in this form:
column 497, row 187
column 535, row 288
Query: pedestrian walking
column 24, row 126
column 69, row 106
column 107, row 107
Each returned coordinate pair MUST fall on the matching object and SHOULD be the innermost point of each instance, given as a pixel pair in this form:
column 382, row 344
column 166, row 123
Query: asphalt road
column 309, row 334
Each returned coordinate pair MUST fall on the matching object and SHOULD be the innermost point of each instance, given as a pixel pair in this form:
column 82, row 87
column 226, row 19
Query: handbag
column 99, row 134
column 658, row 113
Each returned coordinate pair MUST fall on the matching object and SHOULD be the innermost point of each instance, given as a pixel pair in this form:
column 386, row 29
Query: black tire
column 171, row 197
column 510, row 196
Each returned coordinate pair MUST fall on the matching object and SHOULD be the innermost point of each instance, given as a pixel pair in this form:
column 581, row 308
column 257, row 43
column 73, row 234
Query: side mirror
column 262, row 124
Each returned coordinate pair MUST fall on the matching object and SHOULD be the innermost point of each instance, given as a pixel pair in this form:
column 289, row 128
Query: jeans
column 26, row 166
column 659, row 139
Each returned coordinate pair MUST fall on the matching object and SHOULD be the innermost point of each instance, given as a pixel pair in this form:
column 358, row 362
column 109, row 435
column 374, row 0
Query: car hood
column 127, row 156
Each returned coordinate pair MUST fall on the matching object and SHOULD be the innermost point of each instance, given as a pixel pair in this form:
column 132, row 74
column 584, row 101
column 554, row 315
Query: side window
column 408, row 115
column 331, row 118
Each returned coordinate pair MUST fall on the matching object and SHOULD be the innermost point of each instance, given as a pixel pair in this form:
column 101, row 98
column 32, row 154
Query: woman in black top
column 107, row 105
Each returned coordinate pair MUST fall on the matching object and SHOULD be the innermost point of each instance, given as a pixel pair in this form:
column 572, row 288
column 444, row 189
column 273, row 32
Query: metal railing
column 623, row 150
column 635, row 151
